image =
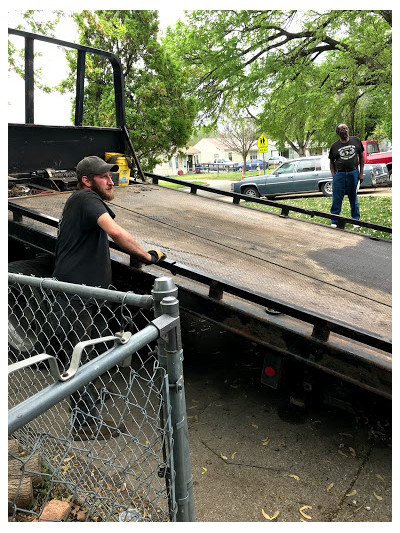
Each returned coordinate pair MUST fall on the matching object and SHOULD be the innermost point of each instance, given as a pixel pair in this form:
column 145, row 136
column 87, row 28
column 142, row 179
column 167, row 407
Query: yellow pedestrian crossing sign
column 262, row 144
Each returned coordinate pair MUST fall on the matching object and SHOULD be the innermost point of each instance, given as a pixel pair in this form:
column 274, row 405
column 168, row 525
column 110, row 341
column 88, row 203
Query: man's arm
column 332, row 167
column 123, row 238
column 361, row 160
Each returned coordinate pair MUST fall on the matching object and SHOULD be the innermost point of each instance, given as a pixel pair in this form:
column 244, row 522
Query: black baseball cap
column 93, row 165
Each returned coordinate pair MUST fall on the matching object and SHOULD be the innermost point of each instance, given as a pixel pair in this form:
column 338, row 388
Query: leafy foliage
column 300, row 73
column 159, row 116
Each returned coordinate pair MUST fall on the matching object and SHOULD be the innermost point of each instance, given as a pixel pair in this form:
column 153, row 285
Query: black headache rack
column 46, row 156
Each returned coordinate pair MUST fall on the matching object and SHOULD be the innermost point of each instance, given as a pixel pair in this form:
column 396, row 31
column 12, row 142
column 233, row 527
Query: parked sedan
column 253, row 164
column 276, row 160
column 310, row 174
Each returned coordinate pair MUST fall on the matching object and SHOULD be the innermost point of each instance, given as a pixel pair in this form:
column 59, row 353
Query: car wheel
column 326, row 188
column 251, row 191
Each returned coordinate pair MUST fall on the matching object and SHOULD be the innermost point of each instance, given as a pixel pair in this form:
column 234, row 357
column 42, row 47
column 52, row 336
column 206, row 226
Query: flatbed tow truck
column 307, row 294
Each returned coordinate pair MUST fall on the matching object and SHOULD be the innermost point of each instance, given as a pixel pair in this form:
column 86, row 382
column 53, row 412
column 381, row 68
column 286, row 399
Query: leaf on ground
column 204, row 470
column 377, row 496
column 294, row 477
column 352, row 493
column 267, row 517
column 266, row 441
column 342, row 453
column 224, row 457
column 328, row 488
column 302, row 509
column 380, row 477
column 233, row 455
column 352, row 451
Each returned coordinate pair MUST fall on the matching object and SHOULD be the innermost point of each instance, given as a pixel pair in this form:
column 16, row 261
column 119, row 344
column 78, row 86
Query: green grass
column 222, row 175
column 374, row 209
column 178, row 186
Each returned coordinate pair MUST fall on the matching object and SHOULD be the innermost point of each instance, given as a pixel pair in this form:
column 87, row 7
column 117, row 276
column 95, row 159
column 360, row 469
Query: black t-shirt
column 82, row 249
column 345, row 155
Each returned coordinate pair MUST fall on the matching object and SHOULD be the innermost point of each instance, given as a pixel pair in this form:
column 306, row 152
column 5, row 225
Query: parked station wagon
column 306, row 174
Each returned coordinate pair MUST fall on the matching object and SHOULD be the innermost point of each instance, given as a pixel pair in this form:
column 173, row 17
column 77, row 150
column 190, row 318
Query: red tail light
column 270, row 371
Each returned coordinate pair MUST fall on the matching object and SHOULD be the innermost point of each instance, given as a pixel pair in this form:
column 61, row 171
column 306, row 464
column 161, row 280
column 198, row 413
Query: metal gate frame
column 165, row 328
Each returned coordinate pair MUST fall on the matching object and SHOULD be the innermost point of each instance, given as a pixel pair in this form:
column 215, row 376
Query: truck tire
column 326, row 188
column 251, row 191
column 27, row 311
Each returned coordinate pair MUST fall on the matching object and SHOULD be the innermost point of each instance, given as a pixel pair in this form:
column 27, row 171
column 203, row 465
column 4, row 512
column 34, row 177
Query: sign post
column 262, row 145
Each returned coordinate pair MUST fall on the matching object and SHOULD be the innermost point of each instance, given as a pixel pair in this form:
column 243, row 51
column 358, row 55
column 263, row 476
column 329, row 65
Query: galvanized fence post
column 171, row 356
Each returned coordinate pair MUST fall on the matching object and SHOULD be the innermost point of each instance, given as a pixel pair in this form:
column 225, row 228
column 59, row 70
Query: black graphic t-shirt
column 82, row 249
column 345, row 155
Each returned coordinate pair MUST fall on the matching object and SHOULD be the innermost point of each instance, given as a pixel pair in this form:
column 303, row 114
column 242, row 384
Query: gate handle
column 119, row 338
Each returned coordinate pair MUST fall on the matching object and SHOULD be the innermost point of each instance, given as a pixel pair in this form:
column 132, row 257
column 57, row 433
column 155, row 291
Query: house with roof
column 214, row 147
column 183, row 162
column 205, row 151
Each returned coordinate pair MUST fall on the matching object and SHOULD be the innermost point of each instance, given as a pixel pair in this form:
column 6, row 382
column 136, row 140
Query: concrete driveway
column 254, row 457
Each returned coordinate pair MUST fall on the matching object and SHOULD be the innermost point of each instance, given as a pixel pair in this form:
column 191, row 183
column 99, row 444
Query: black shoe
column 103, row 431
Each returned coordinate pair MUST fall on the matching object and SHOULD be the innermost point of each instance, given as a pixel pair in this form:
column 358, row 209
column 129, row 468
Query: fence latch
column 122, row 337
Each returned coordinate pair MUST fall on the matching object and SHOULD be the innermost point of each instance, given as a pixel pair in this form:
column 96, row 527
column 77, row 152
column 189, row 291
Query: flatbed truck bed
column 342, row 275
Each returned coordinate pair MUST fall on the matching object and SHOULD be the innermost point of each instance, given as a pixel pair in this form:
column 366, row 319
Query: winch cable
column 249, row 255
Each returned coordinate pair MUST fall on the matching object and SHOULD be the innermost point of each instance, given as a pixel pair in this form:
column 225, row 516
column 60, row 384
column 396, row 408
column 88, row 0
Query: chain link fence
column 97, row 415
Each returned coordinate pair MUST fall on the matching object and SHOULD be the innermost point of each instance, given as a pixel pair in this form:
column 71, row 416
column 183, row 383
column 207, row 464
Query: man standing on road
column 347, row 167
column 83, row 257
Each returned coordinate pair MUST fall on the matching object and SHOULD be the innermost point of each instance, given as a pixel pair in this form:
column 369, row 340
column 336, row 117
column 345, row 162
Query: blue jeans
column 345, row 183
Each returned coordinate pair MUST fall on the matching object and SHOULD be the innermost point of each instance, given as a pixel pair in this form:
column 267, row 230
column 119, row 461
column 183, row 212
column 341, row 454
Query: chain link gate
column 97, row 414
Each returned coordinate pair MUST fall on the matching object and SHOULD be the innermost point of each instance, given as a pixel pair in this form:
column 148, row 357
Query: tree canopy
column 296, row 73
column 299, row 73
column 159, row 115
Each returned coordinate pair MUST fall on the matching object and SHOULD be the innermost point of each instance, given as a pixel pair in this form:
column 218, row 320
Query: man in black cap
column 82, row 250
column 83, row 257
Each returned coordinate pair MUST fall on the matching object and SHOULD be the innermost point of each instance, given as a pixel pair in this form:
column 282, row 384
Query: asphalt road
column 255, row 456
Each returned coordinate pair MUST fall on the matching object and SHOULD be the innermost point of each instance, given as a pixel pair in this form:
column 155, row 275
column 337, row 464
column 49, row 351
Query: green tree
column 253, row 59
column 293, row 113
column 158, row 114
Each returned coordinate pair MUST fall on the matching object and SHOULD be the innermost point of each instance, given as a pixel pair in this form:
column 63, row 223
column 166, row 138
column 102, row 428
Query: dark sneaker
column 106, row 430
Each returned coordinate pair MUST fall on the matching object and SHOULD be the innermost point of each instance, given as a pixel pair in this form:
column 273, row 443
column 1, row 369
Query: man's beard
column 105, row 194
